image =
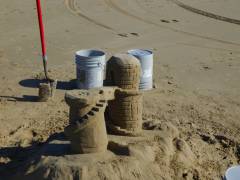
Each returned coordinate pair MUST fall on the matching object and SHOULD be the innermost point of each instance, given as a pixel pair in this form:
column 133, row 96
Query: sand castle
column 87, row 129
column 46, row 91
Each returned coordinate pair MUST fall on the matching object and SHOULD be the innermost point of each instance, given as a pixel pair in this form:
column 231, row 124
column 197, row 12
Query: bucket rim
column 90, row 53
column 229, row 170
column 143, row 52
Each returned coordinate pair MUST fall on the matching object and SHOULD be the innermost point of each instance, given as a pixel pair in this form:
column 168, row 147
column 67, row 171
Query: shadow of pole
column 18, row 156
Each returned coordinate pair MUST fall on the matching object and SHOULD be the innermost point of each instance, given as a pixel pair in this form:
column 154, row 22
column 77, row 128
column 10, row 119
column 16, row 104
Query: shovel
column 46, row 90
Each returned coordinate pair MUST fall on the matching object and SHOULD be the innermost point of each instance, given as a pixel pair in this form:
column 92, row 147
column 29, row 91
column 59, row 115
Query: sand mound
column 149, row 156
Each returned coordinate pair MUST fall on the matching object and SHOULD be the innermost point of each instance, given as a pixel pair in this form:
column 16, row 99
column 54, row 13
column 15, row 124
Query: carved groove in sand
column 71, row 5
column 205, row 13
column 113, row 4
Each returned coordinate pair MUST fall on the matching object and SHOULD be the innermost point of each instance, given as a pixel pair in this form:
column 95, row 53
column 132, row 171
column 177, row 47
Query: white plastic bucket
column 90, row 65
column 146, row 59
column 233, row 173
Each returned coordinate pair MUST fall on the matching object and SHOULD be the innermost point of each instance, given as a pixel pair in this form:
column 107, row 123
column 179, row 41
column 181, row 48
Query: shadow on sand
column 24, row 98
column 61, row 85
column 34, row 83
column 18, row 156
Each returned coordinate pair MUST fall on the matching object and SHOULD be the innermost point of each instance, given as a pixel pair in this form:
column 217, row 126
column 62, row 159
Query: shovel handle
column 41, row 27
column 42, row 36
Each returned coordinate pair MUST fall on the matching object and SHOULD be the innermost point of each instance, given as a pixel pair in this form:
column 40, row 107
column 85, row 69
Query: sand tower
column 125, row 112
column 124, row 71
column 87, row 130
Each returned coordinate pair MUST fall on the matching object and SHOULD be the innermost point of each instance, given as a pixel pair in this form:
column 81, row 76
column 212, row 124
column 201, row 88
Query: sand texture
column 191, row 118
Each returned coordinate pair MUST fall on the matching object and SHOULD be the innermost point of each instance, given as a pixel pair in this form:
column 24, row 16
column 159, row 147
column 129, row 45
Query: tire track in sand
column 71, row 5
column 113, row 5
column 205, row 13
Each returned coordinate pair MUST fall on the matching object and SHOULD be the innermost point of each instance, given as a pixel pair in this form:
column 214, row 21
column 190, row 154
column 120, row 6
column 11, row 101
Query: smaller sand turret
column 87, row 130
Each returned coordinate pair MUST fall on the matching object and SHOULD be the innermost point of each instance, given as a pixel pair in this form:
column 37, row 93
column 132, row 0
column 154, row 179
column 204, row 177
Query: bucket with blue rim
column 90, row 67
column 146, row 59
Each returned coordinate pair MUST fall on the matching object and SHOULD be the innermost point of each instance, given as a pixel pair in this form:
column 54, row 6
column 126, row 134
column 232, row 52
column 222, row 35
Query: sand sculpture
column 47, row 91
column 125, row 112
column 124, row 71
column 44, row 92
column 87, row 129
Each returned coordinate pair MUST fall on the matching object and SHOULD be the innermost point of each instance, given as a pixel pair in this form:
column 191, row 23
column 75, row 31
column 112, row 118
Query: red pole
column 42, row 35
column 41, row 27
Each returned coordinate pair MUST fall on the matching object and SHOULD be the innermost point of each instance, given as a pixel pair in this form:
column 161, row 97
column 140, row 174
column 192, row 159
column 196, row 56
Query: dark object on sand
column 47, row 91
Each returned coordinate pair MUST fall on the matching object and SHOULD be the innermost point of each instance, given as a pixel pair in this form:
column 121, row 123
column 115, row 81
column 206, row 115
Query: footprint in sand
column 126, row 35
column 207, row 67
column 174, row 20
column 123, row 35
column 134, row 34
column 165, row 21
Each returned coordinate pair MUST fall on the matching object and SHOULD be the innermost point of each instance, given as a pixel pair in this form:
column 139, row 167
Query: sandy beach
column 196, row 47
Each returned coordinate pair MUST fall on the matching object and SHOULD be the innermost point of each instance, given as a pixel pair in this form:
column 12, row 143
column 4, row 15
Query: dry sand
column 197, row 71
